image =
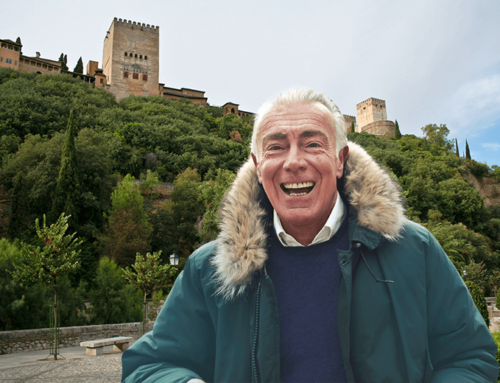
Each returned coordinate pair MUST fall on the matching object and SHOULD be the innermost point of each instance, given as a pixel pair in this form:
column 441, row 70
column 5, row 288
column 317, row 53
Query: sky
column 432, row 61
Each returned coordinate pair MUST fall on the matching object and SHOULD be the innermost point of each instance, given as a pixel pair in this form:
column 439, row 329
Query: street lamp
column 174, row 259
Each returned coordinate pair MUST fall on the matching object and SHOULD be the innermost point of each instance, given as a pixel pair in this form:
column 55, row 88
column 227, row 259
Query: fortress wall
column 380, row 128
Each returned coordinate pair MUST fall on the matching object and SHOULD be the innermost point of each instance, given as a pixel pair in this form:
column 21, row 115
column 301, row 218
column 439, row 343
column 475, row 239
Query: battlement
column 371, row 101
column 349, row 118
column 135, row 25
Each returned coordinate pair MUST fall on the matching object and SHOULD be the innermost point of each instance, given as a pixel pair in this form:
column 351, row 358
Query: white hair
column 293, row 96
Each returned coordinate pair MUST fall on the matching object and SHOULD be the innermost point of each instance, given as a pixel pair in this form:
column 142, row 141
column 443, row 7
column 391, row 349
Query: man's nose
column 295, row 160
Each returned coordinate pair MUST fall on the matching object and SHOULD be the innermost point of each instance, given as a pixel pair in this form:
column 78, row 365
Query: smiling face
column 298, row 166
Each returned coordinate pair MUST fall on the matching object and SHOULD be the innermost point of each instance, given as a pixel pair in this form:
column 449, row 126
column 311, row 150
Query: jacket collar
column 373, row 197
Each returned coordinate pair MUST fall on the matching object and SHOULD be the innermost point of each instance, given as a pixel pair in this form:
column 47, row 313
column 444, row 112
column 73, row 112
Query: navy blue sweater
column 306, row 280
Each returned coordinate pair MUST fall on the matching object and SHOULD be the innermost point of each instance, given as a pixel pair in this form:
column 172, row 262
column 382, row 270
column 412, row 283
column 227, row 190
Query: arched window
column 136, row 55
column 145, row 57
column 232, row 110
column 125, row 54
column 140, row 56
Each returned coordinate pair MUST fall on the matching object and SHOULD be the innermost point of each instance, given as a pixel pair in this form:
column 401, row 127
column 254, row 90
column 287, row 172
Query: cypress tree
column 66, row 194
column 352, row 126
column 63, row 59
column 467, row 151
column 18, row 41
column 456, row 148
column 79, row 66
column 397, row 132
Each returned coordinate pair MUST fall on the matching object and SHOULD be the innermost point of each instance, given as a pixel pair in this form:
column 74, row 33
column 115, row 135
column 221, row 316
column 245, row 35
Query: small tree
column 66, row 193
column 148, row 274
column 397, row 132
column 79, row 66
column 479, row 301
column 467, row 151
column 456, row 148
column 352, row 127
column 63, row 59
column 47, row 264
column 18, row 41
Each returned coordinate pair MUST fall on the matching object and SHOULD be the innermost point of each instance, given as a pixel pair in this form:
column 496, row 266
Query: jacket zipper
column 256, row 335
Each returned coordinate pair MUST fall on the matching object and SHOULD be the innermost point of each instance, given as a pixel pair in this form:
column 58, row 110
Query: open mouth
column 298, row 189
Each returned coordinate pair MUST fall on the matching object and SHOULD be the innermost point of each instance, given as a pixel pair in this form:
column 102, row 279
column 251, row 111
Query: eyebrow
column 309, row 133
column 274, row 136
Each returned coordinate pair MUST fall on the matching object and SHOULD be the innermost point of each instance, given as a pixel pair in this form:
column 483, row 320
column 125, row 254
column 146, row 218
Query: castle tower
column 372, row 118
column 130, row 59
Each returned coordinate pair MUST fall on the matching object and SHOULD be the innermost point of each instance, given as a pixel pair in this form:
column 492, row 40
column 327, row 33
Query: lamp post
column 174, row 259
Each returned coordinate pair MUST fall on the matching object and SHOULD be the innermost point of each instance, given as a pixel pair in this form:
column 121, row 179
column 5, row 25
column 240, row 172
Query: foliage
column 187, row 209
column 397, row 132
column 479, row 301
column 467, row 151
column 456, row 148
column 213, row 190
column 148, row 274
column 32, row 173
column 496, row 338
column 352, row 127
column 57, row 257
column 63, row 59
column 128, row 228
column 155, row 305
column 479, row 169
column 112, row 300
column 437, row 135
column 66, row 193
column 79, row 66
column 476, row 272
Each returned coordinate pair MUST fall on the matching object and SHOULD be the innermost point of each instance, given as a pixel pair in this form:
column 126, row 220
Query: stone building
column 131, row 59
column 11, row 57
column 372, row 118
column 232, row 108
column 196, row 96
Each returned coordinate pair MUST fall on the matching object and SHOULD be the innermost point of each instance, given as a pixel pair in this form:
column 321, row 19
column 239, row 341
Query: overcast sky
column 432, row 61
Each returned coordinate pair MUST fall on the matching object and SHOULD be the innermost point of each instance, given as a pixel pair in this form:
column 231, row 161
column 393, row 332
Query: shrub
column 496, row 338
column 479, row 301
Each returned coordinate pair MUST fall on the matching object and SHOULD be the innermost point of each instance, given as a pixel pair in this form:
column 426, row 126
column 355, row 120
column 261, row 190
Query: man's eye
column 275, row 147
column 313, row 145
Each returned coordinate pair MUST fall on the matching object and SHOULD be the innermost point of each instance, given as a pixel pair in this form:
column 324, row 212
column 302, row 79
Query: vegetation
column 479, row 301
column 148, row 174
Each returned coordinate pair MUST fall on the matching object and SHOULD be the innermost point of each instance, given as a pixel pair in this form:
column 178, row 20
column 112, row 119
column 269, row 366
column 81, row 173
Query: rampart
column 380, row 128
column 38, row 339
column 142, row 26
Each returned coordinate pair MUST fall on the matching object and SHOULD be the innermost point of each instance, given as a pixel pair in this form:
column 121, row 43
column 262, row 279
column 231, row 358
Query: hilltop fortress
column 131, row 65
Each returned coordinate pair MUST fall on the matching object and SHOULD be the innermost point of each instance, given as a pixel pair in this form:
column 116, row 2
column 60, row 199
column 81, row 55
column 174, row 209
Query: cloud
column 493, row 145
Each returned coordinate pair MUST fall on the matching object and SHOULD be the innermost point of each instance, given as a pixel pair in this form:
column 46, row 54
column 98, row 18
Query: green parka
column 404, row 314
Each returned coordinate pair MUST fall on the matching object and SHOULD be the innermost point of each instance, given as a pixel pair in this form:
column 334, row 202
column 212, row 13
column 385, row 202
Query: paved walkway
column 30, row 366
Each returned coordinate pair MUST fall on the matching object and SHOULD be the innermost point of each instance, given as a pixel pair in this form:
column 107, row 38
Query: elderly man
column 316, row 275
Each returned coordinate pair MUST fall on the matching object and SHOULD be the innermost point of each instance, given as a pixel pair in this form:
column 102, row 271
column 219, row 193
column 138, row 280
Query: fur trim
column 241, row 245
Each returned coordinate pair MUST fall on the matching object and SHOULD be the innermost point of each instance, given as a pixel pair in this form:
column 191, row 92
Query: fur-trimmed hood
column 241, row 245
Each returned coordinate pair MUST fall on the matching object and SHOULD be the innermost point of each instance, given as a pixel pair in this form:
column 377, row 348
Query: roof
column 230, row 103
column 47, row 61
column 185, row 96
column 11, row 42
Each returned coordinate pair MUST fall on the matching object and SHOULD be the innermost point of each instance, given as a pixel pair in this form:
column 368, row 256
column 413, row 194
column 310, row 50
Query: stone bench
column 95, row 347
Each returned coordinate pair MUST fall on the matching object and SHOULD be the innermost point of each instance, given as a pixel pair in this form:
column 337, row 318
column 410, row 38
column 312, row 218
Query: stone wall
column 38, row 339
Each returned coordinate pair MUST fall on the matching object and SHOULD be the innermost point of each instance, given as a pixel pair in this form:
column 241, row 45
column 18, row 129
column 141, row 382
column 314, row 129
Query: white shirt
column 331, row 226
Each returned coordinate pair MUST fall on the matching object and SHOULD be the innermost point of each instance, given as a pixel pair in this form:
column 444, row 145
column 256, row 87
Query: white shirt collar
column 331, row 226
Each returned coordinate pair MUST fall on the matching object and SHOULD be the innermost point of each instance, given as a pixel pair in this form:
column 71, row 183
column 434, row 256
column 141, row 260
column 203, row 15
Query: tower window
column 135, row 76
column 136, row 55
column 145, row 57
column 145, row 77
column 125, row 74
column 125, row 54
column 140, row 56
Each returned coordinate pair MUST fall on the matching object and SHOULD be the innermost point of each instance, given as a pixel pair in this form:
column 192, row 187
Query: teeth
column 300, row 185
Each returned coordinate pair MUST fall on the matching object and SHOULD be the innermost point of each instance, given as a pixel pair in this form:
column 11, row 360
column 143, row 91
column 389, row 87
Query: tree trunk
column 55, row 324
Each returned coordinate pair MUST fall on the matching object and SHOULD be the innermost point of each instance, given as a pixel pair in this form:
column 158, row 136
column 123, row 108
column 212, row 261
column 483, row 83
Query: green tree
column 18, row 41
column 66, row 196
column 213, row 190
column 57, row 257
column 128, row 228
column 148, row 275
column 113, row 300
column 79, row 66
column 456, row 148
column 187, row 209
column 352, row 127
column 479, row 301
column 397, row 132
column 467, row 151
column 437, row 135
column 63, row 59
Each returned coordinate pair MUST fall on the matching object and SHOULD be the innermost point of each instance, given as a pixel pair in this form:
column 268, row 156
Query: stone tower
column 130, row 59
column 372, row 118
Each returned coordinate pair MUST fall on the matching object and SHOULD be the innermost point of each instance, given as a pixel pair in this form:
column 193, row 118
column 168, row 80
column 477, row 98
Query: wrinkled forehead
column 304, row 114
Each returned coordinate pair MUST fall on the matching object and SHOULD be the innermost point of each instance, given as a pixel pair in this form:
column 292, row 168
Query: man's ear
column 257, row 166
column 344, row 152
